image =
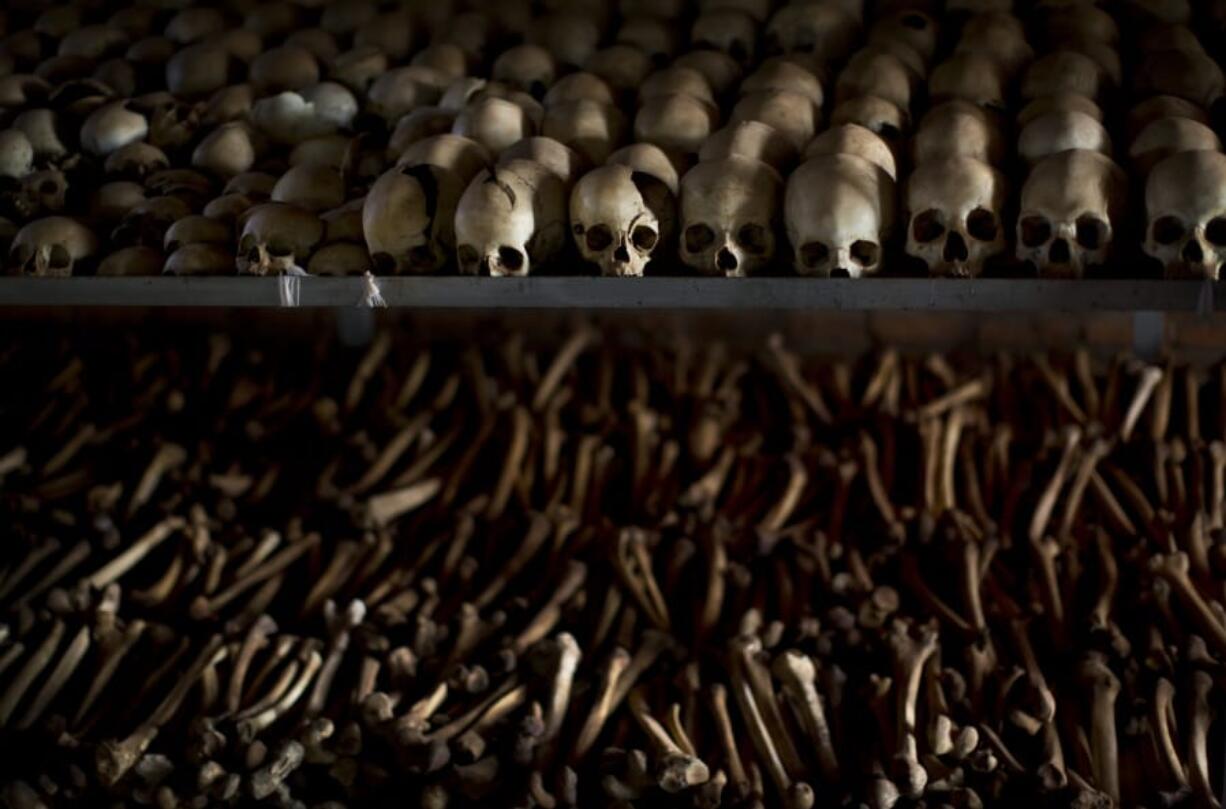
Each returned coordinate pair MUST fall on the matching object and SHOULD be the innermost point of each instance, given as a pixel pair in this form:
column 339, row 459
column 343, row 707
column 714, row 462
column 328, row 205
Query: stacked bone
column 712, row 137
column 603, row 576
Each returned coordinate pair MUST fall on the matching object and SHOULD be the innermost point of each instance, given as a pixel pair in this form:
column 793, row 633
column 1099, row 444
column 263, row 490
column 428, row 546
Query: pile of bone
column 700, row 137
column 588, row 575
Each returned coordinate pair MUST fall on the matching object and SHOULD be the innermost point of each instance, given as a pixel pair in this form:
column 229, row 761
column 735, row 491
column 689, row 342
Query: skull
column 1071, row 203
column 196, row 229
column 444, row 58
column 529, row 68
column 133, row 262
column 51, row 247
column 1060, row 102
column 1063, row 71
column 777, row 73
column 751, row 139
column 791, row 114
column 111, row 126
column 721, row 70
column 42, row 193
column 728, row 30
column 677, row 81
column 955, row 208
column 579, row 86
column 876, row 115
column 495, row 123
column 653, row 36
column 200, row 259
column 571, row 37
column 1191, row 75
column 421, row 123
column 823, row 30
column 592, row 129
column 624, row 67
column 875, row 73
column 1158, row 107
column 41, row 128
column 198, row 70
column 911, row 27
column 310, row 186
column 958, row 128
column 651, row 160
column 619, row 217
column 326, row 150
column 679, row 123
column 553, row 155
column 730, row 216
column 1082, row 21
column 319, row 42
column 970, row 76
column 404, row 89
column 511, row 220
column 839, row 210
column 1167, row 136
column 1185, row 202
column 1060, row 131
column 226, row 151
column 854, row 139
column 288, row 67
column 16, row 154
column 147, row 222
column 277, row 239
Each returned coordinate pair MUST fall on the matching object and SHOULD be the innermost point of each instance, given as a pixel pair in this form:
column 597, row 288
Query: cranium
column 1000, row 37
column 111, row 126
column 42, row 193
column 93, row 42
column 791, row 114
column 1063, row 71
column 271, row 19
column 970, row 76
column 579, row 86
column 624, row 67
column 41, row 129
column 654, row 36
column 391, row 32
column 151, row 52
column 777, row 73
column 421, row 123
column 728, row 30
column 1158, row 107
column 359, row 67
column 470, row 31
column 822, row 30
column 128, row 262
column 1059, row 102
column 651, row 160
column 310, row 186
column 226, row 151
column 343, row 251
column 1185, row 202
column 277, row 239
column 255, row 184
column 553, row 155
column 228, row 207
column 117, row 74
column 345, row 18
column 620, row 217
column 196, row 229
column 529, row 68
column 955, row 207
column 677, row 81
column 679, row 122
column 1148, row 12
column 1081, row 21
column 511, row 220
column 494, row 123
column 228, row 104
column 288, row 67
column 1071, row 204
column 839, row 210
column 912, row 27
column 853, row 139
column 1167, row 136
column 1190, row 75
column 114, row 199
column 51, row 247
column 243, row 44
column 752, row 139
column 326, row 150
column 875, row 73
column 402, row 90
column 958, row 128
column 443, row 58
column 571, row 37
column 721, row 70
column 197, row 70
column 146, row 222
column 319, row 42
column 592, row 129
column 1060, row 131
column 57, row 21
column 16, row 154
column 876, row 115
column 200, row 259
column 730, row 216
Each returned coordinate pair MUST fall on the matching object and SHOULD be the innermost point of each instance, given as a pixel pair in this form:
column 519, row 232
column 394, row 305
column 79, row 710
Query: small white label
column 289, row 288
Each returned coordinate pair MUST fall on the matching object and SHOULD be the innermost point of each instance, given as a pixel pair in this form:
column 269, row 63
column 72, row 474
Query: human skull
column 854, row 139
column 909, row 26
column 1185, row 202
column 310, row 186
column 876, row 115
column 41, row 129
column 51, row 247
column 444, row 58
column 1058, row 103
column 677, row 81
column 42, row 193
column 624, row 67
column 875, row 73
column 839, row 210
column 1063, row 71
column 730, row 216
column 111, row 126
column 404, row 89
column 1081, row 21
column 1167, row 136
column 679, row 123
column 198, row 70
column 729, row 30
column 571, row 37
column 970, row 76
column 620, row 217
column 958, row 128
column 578, row 86
column 1071, row 205
column 511, row 220
column 821, row 30
column 999, row 36
column 495, row 123
column 147, row 221
column 288, row 67
column 137, row 261
column 752, row 139
column 277, row 239
column 777, row 73
column 654, row 36
column 16, row 154
column 196, row 229
column 227, row 150
column 1158, row 107
column 1193, row 76
column 721, row 70
column 529, row 68
column 651, row 160
column 592, row 129
column 955, row 207
column 1060, row 131
column 791, row 114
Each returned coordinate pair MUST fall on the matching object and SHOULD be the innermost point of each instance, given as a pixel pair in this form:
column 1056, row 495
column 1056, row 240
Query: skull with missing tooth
column 955, row 210
column 1071, row 204
column 51, row 247
column 511, row 220
column 838, row 209
column 1185, row 201
column 619, row 217
column 277, row 239
column 729, row 216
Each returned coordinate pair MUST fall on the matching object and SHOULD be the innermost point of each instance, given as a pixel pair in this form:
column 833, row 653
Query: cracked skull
column 955, row 215
column 1185, row 201
column 1071, row 203
column 838, row 210
column 277, row 239
column 511, row 219
column 619, row 217
column 729, row 216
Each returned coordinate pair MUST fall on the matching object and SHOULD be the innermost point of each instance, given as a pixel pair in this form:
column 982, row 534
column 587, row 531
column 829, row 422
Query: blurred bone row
column 717, row 137
column 589, row 575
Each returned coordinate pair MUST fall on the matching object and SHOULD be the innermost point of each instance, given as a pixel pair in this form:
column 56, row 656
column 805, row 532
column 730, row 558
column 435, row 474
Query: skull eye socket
column 58, row 258
column 698, row 238
column 752, row 238
column 927, row 227
column 467, row 256
column 421, row 257
column 599, row 238
column 981, row 224
column 1215, row 231
column 813, row 254
column 1092, row 232
column 865, row 253
column 384, row 263
column 510, row 258
column 1035, row 231
column 644, row 238
column 1167, row 230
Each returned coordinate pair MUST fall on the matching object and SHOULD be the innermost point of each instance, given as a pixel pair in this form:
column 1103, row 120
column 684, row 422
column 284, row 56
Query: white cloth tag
column 372, row 296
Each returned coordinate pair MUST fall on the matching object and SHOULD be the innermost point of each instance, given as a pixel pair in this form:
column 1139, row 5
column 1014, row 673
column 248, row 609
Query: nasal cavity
column 840, row 272
column 1192, row 251
column 622, row 254
column 1059, row 252
column 725, row 260
column 955, row 247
